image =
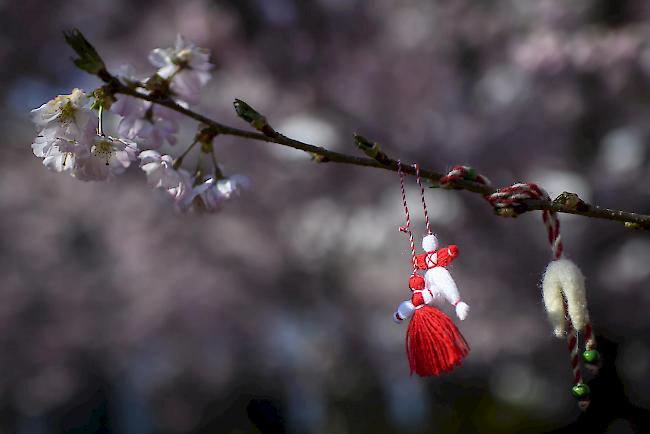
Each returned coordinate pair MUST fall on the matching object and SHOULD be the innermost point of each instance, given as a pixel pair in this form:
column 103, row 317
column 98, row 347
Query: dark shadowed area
column 119, row 315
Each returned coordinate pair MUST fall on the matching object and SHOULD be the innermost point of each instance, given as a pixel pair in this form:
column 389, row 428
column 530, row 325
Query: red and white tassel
column 434, row 344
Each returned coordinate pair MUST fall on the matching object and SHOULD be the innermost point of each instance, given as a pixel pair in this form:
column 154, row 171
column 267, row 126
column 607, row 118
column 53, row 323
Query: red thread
column 433, row 343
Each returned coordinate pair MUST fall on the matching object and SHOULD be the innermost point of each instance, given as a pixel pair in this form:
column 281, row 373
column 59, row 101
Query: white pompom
column 404, row 311
column 462, row 309
column 430, row 243
column 564, row 277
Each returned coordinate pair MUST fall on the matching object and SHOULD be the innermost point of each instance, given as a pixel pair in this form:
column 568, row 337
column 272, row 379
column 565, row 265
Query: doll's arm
column 439, row 258
column 446, row 255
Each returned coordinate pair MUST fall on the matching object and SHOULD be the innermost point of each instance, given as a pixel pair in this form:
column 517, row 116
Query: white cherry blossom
column 159, row 169
column 66, row 116
column 58, row 146
column 53, row 157
column 183, row 193
column 65, row 126
column 186, row 66
column 104, row 159
column 212, row 193
column 161, row 173
column 149, row 124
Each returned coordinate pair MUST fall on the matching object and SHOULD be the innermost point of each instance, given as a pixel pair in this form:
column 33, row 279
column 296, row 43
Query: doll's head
column 430, row 243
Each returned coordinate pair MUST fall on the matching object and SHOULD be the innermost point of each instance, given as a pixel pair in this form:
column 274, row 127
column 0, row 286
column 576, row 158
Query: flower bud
column 255, row 119
column 371, row 149
column 88, row 60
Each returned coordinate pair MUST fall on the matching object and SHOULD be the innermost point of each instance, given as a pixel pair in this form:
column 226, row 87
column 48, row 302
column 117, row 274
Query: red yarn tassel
column 433, row 343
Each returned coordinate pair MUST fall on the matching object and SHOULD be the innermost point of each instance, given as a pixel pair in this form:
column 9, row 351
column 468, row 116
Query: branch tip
column 253, row 117
column 88, row 60
column 571, row 201
column 371, row 149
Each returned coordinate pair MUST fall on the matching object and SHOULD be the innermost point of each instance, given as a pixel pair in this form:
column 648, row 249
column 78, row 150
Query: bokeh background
column 117, row 315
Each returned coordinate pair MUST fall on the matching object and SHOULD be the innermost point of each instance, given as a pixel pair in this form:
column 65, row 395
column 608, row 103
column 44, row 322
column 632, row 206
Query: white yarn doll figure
column 438, row 280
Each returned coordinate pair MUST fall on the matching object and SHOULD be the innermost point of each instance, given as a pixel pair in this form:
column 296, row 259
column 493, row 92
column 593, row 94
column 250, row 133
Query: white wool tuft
column 430, row 243
column 462, row 309
column 564, row 278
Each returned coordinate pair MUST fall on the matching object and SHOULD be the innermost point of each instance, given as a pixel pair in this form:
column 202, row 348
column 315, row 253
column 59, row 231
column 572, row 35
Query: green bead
column 580, row 391
column 471, row 174
column 591, row 356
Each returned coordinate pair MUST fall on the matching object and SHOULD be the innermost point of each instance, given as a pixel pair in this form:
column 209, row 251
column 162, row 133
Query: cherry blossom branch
column 569, row 203
column 381, row 161
column 638, row 221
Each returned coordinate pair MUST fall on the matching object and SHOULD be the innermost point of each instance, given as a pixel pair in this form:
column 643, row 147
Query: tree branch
column 632, row 220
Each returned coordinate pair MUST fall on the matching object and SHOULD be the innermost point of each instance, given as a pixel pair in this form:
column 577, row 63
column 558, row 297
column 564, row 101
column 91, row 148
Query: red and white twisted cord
column 590, row 340
column 424, row 203
column 467, row 173
column 407, row 227
column 572, row 344
column 515, row 194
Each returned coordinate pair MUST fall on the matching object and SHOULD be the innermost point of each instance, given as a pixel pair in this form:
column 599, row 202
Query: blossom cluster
column 71, row 136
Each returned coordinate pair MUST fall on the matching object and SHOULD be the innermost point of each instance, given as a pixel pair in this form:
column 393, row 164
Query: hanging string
column 407, row 228
column 424, row 204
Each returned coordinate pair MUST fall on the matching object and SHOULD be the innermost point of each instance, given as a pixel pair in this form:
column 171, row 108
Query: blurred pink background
column 117, row 315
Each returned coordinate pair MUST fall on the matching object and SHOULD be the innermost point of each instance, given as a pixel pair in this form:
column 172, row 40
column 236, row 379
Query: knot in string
column 466, row 173
column 514, row 195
